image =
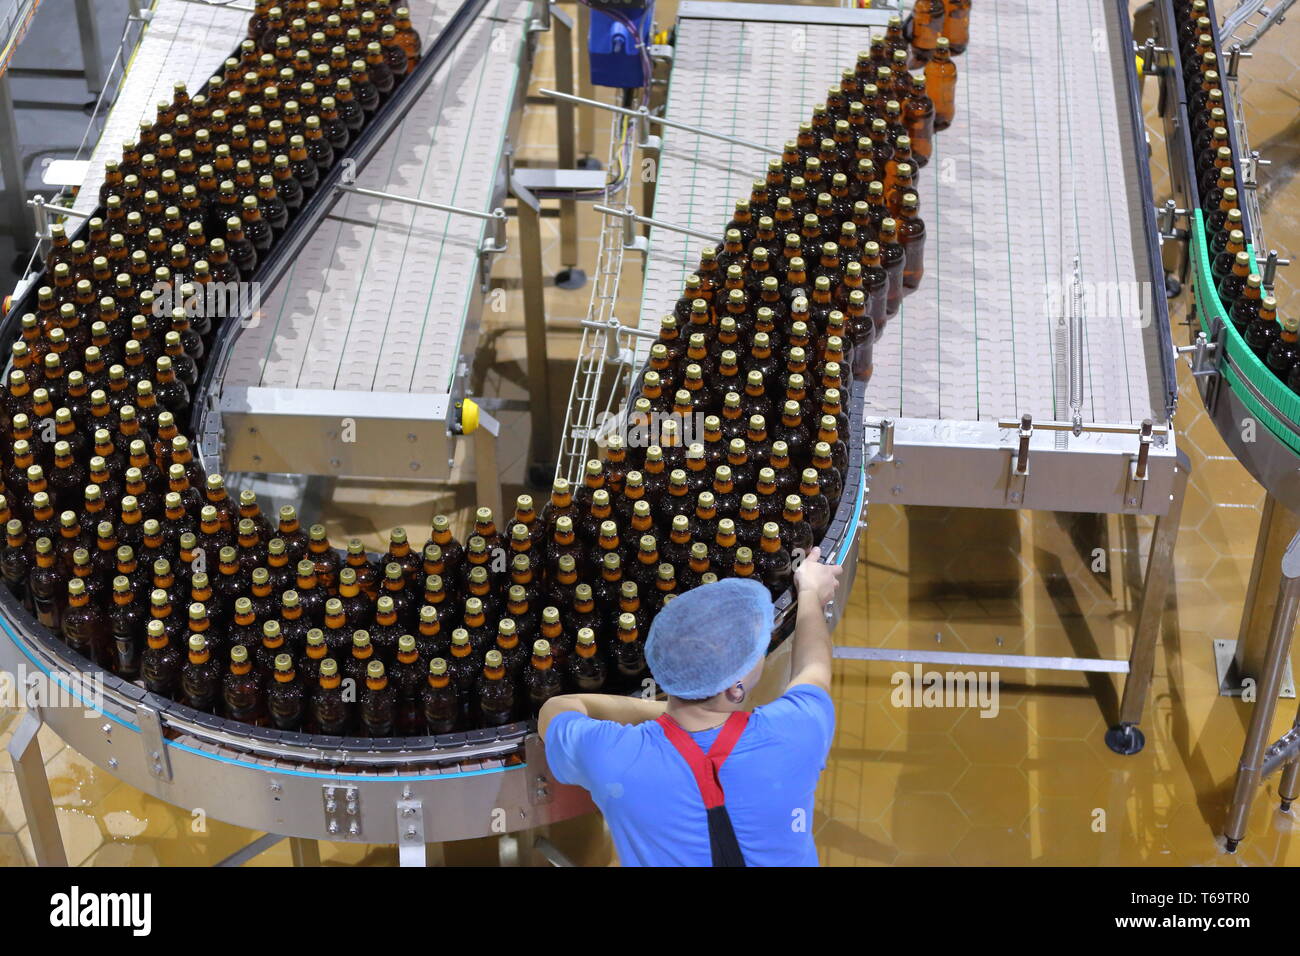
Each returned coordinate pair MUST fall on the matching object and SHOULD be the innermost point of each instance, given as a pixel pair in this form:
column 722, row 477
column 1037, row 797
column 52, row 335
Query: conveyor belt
column 1042, row 164
column 732, row 77
column 182, row 43
column 378, row 300
column 1036, row 169
column 15, row 15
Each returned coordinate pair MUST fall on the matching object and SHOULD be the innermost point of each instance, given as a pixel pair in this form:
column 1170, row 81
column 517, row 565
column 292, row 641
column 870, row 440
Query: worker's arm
column 621, row 710
column 815, row 584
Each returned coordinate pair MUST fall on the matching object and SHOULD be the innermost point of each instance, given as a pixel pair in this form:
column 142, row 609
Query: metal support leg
column 14, row 196
column 1125, row 737
column 34, row 791
column 304, row 852
column 541, row 452
column 549, row 853
column 566, row 131
column 88, row 30
column 508, row 850
column 1287, row 786
column 1250, row 769
column 1242, row 660
column 586, row 114
column 487, row 475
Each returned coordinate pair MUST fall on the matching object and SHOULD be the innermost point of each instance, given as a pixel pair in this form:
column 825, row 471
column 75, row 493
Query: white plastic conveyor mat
column 1038, row 167
column 378, row 300
column 184, row 42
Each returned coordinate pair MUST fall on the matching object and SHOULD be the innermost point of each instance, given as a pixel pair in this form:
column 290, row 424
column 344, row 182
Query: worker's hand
column 815, row 581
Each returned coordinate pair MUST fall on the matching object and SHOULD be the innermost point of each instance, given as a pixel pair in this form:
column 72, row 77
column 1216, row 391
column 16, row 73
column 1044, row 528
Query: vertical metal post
column 1125, row 737
column 1287, row 786
column 42, row 222
column 88, row 30
column 1250, row 769
column 586, row 114
column 655, row 155
column 34, row 791
column 566, row 131
column 541, row 450
column 487, row 474
column 14, row 196
column 1277, row 525
column 304, row 852
column 411, row 855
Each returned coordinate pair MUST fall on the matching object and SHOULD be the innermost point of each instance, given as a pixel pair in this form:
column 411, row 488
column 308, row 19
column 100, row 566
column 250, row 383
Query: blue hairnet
column 706, row 639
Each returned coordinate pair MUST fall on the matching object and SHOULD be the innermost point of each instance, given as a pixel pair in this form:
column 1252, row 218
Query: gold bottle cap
column 375, row 670
column 492, row 659
column 437, row 667
column 541, row 648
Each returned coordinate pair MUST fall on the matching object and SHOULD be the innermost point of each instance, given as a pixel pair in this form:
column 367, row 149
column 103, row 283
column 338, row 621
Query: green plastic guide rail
column 1267, row 396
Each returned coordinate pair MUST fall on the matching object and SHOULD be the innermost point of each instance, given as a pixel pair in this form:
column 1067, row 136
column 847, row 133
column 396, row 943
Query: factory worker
column 707, row 779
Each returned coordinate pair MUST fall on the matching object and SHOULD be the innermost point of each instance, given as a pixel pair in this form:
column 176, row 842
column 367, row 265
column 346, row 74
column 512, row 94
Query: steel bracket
column 410, row 832
column 1138, row 468
column 155, row 745
column 492, row 246
column 342, row 803
column 1018, row 471
column 883, row 449
column 541, row 788
column 1167, row 217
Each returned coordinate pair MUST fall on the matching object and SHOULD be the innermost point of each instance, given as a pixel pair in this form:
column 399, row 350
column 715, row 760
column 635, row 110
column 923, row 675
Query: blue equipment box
column 612, row 48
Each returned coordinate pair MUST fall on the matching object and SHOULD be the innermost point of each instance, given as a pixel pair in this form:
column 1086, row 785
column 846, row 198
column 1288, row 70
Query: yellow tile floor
column 1033, row 785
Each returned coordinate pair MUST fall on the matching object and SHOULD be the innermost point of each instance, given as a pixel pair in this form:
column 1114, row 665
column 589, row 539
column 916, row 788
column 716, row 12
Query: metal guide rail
column 1044, row 164
column 370, row 321
column 15, row 15
column 1234, row 385
column 294, row 785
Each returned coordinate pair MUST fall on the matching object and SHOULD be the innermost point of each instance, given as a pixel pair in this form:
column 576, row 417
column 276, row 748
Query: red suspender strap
column 705, row 767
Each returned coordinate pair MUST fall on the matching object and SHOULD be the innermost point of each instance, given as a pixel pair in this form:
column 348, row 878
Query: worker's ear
column 735, row 693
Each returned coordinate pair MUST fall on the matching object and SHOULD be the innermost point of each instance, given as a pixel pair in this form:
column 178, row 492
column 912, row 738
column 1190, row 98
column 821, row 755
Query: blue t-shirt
column 651, row 802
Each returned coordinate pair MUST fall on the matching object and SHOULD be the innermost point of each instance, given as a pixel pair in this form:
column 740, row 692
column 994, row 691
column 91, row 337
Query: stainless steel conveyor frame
column 986, row 393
